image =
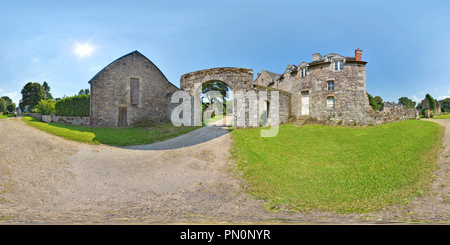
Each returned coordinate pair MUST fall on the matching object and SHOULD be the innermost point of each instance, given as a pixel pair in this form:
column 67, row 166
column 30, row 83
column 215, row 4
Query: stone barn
column 129, row 88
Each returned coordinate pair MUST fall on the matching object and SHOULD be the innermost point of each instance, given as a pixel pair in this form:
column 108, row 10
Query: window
column 134, row 91
column 338, row 65
column 303, row 72
column 330, row 102
column 330, row 85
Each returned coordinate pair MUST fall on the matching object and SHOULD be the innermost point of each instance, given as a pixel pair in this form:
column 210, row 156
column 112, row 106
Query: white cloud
column 415, row 98
column 443, row 97
column 14, row 96
column 35, row 60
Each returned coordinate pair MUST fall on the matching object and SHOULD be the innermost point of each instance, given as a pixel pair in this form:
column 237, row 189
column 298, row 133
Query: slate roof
column 132, row 53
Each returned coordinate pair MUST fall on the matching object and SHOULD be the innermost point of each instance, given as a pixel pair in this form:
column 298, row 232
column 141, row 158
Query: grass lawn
column 340, row 169
column 6, row 116
column 442, row 117
column 110, row 136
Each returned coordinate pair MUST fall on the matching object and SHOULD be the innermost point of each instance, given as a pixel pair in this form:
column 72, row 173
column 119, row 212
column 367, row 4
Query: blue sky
column 406, row 43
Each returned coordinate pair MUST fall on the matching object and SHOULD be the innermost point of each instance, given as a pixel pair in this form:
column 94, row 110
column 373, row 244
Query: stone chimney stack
column 316, row 57
column 358, row 53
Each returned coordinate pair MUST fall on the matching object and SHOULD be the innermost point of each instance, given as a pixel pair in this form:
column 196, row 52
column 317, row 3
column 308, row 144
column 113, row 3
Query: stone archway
column 237, row 79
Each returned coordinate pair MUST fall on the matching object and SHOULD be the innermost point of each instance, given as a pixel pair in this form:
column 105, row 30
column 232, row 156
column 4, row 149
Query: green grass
column 339, row 169
column 110, row 136
column 6, row 116
column 442, row 117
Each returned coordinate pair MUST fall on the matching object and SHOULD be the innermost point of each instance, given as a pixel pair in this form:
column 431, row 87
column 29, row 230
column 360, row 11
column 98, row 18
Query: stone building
column 129, row 88
column 330, row 88
column 333, row 86
column 426, row 106
column 266, row 78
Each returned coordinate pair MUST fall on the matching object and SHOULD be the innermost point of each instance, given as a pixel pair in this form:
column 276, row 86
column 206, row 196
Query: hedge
column 75, row 106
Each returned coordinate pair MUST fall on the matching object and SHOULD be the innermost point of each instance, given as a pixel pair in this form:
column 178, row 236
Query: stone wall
column 36, row 115
column 111, row 92
column 82, row 121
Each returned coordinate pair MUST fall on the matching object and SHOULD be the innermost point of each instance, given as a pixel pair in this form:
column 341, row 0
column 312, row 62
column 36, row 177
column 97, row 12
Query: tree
column 218, row 86
column 2, row 105
column 375, row 102
column 406, row 102
column 445, row 105
column 47, row 90
column 32, row 93
column 7, row 99
column 84, row 91
column 11, row 107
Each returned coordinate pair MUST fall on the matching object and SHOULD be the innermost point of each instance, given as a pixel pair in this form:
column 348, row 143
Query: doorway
column 305, row 103
column 122, row 117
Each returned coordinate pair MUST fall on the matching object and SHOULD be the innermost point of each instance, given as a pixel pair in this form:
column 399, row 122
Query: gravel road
column 49, row 180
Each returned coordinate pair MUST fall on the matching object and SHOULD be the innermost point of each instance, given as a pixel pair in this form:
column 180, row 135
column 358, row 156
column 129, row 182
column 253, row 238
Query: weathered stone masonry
column 128, row 89
column 330, row 89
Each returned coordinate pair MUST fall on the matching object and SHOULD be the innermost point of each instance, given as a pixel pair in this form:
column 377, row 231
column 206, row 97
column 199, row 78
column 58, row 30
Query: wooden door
column 122, row 117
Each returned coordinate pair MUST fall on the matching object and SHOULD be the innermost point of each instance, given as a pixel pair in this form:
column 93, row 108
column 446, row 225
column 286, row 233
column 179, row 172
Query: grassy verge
column 110, row 136
column 6, row 116
column 442, row 117
column 340, row 169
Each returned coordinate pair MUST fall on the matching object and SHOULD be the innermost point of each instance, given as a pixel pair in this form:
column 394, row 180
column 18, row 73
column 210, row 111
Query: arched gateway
column 237, row 79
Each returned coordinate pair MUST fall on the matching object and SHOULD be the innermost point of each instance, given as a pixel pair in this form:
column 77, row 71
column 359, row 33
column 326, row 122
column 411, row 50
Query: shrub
column 46, row 107
column 75, row 106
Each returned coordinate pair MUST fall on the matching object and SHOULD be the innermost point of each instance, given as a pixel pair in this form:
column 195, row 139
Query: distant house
column 266, row 78
column 129, row 88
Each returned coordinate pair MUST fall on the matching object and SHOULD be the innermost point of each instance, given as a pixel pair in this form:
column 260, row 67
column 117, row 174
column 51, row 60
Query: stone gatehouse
column 331, row 88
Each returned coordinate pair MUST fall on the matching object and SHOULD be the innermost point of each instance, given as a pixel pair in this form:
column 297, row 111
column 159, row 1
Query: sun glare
column 84, row 50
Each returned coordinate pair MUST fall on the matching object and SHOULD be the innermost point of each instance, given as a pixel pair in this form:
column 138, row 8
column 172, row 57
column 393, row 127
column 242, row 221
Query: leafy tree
column 47, row 90
column 84, row 91
column 2, row 105
column 406, row 102
column 419, row 106
column 445, row 105
column 218, row 86
column 375, row 102
column 11, row 107
column 7, row 99
column 32, row 93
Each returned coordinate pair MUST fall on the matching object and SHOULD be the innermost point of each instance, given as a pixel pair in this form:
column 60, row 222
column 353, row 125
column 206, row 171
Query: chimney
column 358, row 53
column 317, row 56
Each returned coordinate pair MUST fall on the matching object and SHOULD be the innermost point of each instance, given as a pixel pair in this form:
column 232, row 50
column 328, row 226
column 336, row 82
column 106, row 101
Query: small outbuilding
column 129, row 88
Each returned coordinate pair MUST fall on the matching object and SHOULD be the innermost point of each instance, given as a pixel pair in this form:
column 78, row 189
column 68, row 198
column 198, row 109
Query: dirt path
column 46, row 179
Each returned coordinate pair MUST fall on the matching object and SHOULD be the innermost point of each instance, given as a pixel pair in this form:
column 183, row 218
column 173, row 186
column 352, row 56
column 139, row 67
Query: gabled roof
column 132, row 53
column 272, row 75
column 303, row 64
